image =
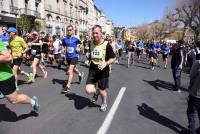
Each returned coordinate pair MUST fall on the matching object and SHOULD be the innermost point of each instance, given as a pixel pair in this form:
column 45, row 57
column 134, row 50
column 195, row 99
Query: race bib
column 70, row 50
column 86, row 47
column 97, row 54
column 33, row 52
column 165, row 53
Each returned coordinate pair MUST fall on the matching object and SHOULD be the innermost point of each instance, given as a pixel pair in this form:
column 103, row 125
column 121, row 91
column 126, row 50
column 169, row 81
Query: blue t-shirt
column 166, row 49
column 152, row 48
column 4, row 38
column 139, row 45
column 71, row 44
column 157, row 45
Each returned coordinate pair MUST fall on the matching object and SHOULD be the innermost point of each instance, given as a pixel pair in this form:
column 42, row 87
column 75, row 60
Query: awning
column 6, row 19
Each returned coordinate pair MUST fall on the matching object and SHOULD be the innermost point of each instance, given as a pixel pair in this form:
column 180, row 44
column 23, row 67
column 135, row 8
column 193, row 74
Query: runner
column 165, row 53
column 18, row 48
column 7, row 82
column 86, row 44
column 36, row 50
column 139, row 49
column 121, row 47
column 4, row 36
column 72, row 46
column 57, row 45
column 152, row 54
column 102, row 56
column 131, row 52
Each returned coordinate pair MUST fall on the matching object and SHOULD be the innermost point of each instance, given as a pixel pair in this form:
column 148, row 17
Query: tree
column 195, row 22
column 142, row 32
column 187, row 13
column 24, row 24
column 37, row 26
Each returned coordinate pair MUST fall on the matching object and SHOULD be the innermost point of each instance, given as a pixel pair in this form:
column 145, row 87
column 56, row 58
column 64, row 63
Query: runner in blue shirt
column 152, row 54
column 4, row 36
column 165, row 54
column 72, row 45
column 139, row 48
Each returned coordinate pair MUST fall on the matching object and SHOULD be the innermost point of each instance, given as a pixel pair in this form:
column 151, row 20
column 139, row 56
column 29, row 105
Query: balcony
column 30, row 12
column 14, row 10
column 19, row 11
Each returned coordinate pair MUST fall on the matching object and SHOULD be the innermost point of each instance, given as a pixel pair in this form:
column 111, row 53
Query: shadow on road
column 158, row 84
column 56, row 67
column 22, row 82
column 80, row 102
column 61, row 82
column 123, row 64
column 7, row 115
column 142, row 67
column 153, row 115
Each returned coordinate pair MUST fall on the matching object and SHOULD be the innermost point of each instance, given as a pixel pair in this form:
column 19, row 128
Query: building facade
column 55, row 15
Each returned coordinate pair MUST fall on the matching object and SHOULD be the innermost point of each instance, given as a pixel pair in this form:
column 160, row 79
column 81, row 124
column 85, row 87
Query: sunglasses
column 69, row 29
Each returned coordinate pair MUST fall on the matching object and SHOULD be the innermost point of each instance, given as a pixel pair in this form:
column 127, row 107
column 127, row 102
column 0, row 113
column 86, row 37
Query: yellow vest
column 98, row 52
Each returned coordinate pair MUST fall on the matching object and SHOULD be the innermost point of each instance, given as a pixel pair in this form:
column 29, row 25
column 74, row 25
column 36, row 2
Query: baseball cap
column 12, row 29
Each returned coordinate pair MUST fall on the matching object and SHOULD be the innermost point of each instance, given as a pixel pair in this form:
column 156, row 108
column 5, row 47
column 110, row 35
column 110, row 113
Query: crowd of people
column 100, row 53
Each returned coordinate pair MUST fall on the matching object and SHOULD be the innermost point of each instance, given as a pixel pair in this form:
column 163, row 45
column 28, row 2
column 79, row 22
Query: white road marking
column 106, row 124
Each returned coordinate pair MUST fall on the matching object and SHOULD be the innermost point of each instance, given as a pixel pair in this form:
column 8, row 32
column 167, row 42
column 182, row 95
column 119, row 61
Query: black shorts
column 17, row 61
column 138, row 52
column 8, row 86
column 57, row 56
column 72, row 61
column 152, row 54
column 95, row 77
column 38, row 56
column 165, row 56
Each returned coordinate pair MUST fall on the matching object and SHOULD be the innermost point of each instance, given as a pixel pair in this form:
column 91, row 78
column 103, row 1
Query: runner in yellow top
column 102, row 56
column 18, row 47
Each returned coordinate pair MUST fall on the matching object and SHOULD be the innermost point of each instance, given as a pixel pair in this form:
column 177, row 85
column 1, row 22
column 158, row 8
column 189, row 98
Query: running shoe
column 95, row 97
column 66, row 89
column 30, row 76
column 81, row 77
column 103, row 107
column 36, row 106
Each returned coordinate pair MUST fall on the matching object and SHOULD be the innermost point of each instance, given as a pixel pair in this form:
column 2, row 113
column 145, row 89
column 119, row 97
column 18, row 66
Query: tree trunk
column 183, row 34
column 196, row 35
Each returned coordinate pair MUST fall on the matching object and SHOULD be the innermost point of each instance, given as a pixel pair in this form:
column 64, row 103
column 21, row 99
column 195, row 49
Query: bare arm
column 5, row 56
column 110, row 61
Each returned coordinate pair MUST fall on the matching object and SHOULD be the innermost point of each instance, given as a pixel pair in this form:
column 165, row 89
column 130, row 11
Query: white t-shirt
column 57, row 46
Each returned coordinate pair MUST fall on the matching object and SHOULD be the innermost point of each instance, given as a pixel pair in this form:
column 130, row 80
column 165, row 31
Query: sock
column 104, row 100
column 68, row 85
column 32, row 102
column 152, row 64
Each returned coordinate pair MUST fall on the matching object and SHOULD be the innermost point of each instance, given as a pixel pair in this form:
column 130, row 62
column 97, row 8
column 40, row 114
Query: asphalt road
column 148, row 106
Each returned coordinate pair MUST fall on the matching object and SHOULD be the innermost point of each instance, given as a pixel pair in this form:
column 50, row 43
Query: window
column 58, row 19
column 49, row 29
column 48, row 18
column 58, row 31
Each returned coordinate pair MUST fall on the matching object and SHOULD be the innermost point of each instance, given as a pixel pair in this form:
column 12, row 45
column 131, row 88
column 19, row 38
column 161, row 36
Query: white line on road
column 106, row 124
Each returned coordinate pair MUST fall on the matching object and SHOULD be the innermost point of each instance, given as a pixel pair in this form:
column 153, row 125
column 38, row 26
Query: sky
column 133, row 12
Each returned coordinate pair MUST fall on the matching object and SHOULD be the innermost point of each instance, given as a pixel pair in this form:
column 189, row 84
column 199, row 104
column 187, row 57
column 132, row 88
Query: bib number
column 70, row 50
column 87, row 48
column 33, row 52
column 96, row 54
